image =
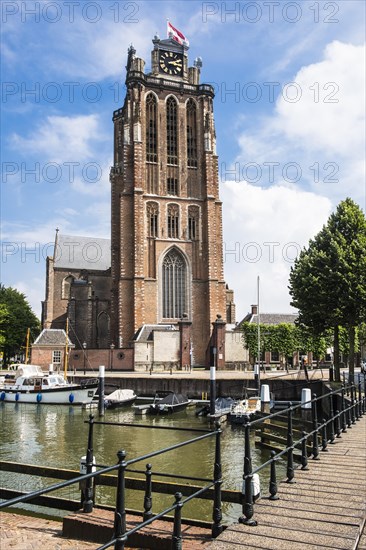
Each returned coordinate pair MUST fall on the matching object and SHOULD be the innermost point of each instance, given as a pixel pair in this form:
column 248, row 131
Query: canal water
column 56, row 436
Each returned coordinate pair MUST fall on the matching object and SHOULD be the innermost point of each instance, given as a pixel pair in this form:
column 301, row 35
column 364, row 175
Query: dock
column 324, row 508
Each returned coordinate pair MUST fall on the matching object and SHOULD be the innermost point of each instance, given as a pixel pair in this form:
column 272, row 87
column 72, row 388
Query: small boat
column 119, row 398
column 223, row 405
column 30, row 384
column 244, row 410
column 173, row 402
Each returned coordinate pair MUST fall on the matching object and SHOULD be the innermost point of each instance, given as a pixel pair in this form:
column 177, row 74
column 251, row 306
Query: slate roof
column 89, row 253
column 52, row 337
column 271, row 318
column 145, row 333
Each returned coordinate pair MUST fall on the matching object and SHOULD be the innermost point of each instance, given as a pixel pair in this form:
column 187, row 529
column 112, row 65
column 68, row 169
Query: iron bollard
column 343, row 406
column 331, row 418
column 177, row 530
column 148, row 493
column 217, row 528
column 120, row 512
column 273, row 478
column 247, row 506
column 304, row 452
column 290, row 453
column 324, row 437
column 88, row 500
column 314, row 412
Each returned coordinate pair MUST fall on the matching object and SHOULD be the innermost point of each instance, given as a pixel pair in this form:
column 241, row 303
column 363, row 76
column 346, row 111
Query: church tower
column 167, row 251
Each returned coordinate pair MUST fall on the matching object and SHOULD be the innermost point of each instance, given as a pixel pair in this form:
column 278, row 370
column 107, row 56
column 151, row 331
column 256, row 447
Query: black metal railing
column 121, row 534
column 328, row 430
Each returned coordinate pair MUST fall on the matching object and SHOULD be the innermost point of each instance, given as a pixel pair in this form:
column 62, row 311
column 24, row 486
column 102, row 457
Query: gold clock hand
column 179, row 63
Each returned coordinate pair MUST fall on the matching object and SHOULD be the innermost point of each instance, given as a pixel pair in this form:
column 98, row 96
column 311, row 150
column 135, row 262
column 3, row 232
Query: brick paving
column 21, row 532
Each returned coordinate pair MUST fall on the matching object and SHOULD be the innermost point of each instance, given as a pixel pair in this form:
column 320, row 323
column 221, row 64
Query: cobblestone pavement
column 21, row 532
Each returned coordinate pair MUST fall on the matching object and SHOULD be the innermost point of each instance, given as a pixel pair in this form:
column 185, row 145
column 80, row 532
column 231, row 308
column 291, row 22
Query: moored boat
column 244, row 410
column 223, row 405
column 119, row 398
column 30, row 384
column 173, row 402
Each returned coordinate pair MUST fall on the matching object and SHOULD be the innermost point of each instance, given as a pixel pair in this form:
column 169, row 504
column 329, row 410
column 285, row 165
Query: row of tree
column 288, row 339
column 16, row 316
column 328, row 280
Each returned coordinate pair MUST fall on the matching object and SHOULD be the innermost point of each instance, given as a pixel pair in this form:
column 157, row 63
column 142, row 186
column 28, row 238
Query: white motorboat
column 119, row 398
column 30, row 384
column 244, row 410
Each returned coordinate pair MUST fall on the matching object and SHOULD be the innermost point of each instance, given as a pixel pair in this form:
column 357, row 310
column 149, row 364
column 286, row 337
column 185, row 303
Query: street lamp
column 84, row 348
column 112, row 346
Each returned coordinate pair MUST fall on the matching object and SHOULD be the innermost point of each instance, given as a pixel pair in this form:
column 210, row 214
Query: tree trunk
column 351, row 356
column 337, row 372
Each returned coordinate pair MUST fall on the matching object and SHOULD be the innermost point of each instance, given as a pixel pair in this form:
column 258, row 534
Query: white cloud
column 33, row 289
column 323, row 132
column 330, row 114
column 63, row 138
column 264, row 229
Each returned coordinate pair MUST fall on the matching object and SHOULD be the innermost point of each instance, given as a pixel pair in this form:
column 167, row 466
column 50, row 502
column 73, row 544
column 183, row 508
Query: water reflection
column 56, row 436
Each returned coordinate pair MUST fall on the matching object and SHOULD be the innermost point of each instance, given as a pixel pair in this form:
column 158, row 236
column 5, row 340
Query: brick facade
column 137, row 258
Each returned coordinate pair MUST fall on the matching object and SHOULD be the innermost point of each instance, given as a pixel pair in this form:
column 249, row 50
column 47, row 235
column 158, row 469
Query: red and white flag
column 176, row 35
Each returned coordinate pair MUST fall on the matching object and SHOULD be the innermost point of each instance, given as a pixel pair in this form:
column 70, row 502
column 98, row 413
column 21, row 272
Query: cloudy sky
column 289, row 109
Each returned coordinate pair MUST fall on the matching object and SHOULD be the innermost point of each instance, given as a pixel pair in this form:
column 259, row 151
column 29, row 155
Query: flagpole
column 258, row 333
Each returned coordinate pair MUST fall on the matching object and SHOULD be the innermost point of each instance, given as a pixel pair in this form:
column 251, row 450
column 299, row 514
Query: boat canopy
column 28, row 370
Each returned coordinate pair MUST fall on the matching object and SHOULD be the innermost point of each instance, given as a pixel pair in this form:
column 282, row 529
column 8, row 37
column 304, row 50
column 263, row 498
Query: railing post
column 120, row 512
column 338, row 424
column 304, row 452
column 324, row 436
column 88, row 495
column 247, row 505
column 343, row 405
column 148, row 493
column 353, row 412
column 331, row 423
column 359, row 396
column 349, row 415
column 177, row 530
column 273, row 478
column 314, row 411
column 290, row 449
column 217, row 528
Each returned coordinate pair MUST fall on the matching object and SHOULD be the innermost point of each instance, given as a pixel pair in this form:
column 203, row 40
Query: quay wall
column 198, row 388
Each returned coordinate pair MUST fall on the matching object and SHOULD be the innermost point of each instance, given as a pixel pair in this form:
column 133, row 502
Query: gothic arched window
column 172, row 130
column 193, row 217
column 152, row 219
column 66, row 287
column 151, row 129
column 173, row 221
column 174, row 285
column 191, row 134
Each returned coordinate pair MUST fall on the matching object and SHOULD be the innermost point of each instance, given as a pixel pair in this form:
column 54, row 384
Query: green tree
column 4, row 314
column 328, row 279
column 285, row 338
column 18, row 317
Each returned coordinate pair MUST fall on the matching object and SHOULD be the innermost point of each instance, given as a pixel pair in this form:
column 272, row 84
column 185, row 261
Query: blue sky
column 289, row 113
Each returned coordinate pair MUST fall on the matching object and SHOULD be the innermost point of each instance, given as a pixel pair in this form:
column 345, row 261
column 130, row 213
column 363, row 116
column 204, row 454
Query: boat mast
column 27, row 346
column 66, row 348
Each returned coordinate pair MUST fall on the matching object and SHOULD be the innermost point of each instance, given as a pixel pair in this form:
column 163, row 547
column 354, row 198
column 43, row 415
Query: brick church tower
column 166, row 249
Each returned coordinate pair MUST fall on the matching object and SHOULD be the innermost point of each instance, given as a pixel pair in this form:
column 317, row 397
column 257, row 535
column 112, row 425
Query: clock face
column 171, row 63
